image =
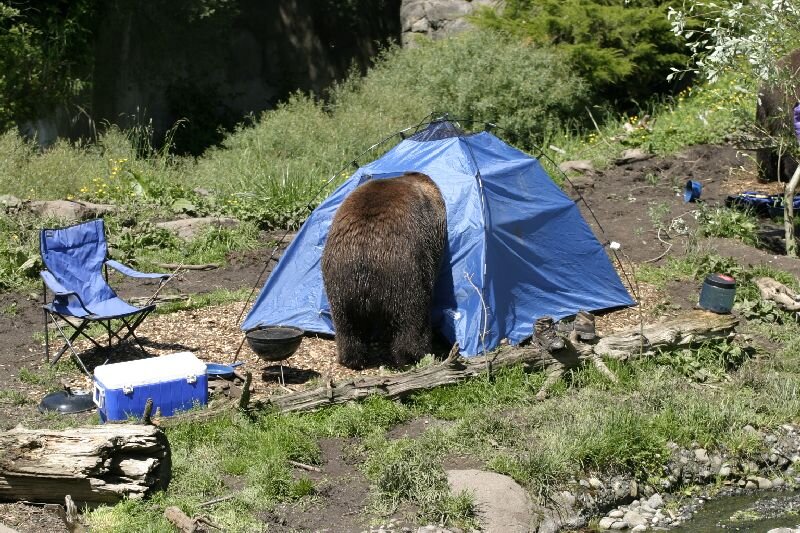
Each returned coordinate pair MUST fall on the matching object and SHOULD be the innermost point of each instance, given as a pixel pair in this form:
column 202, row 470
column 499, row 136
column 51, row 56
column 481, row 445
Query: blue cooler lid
column 722, row 281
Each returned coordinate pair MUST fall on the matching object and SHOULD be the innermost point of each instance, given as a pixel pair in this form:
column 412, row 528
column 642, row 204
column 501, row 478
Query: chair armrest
column 128, row 271
column 53, row 284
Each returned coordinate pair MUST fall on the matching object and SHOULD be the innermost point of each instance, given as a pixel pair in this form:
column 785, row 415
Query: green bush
column 483, row 76
column 623, row 48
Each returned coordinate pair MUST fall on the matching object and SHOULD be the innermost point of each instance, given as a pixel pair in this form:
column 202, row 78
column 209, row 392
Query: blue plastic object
column 718, row 293
column 174, row 382
column 692, row 190
column 515, row 242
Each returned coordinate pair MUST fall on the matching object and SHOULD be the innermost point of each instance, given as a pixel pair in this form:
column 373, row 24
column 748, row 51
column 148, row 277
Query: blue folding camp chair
column 76, row 259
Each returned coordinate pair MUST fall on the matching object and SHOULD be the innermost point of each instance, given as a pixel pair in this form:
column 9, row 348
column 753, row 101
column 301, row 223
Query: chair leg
column 46, row 338
column 69, row 346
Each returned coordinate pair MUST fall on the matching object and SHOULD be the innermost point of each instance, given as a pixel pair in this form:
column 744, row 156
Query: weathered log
column 692, row 328
column 783, row 296
column 96, row 464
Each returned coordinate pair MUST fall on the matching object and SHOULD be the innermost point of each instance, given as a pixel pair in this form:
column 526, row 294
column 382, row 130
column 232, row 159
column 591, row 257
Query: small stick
column 304, row 466
column 148, row 409
column 217, row 500
column 245, row 398
column 175, row 266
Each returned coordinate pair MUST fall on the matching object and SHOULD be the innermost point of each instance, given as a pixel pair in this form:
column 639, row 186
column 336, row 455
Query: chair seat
column 102, row 310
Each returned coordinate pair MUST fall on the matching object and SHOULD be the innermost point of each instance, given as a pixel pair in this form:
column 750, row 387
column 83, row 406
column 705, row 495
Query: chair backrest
column 74, row 255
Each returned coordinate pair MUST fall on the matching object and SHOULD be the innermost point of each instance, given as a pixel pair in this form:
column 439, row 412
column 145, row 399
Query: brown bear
column 379, row 267
column 774, row 116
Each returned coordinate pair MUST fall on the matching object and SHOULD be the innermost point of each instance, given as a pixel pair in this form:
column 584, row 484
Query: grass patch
column 207, row 299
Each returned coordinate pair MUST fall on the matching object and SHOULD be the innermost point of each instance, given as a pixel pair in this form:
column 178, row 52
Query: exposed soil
column 631, row 201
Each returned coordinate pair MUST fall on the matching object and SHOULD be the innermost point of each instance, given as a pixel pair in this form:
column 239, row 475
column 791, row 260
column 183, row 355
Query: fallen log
column 783, row 296
column 692, row 328
column 95, row 464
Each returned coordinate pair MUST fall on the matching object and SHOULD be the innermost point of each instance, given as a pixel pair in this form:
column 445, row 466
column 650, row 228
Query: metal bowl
column 274, row 343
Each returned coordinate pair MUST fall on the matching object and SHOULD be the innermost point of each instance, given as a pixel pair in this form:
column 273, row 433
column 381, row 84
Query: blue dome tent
column 518, row 246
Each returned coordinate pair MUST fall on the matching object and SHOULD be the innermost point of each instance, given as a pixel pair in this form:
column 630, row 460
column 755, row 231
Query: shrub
column 623, row 48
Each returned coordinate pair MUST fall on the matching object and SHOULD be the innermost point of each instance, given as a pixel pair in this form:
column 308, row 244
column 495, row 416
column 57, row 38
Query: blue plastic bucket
column 692, row 190
column 718, row 293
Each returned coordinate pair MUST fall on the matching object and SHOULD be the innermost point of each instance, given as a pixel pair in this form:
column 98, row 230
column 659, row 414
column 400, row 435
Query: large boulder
column 188, row 228
column 502, row 504
column 436, row 19
column 68, row 210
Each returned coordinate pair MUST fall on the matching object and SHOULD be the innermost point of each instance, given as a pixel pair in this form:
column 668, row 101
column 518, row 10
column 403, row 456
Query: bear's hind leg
column 410, row 345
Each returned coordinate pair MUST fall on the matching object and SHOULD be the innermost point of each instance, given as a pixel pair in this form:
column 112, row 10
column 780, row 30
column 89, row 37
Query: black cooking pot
column 274, row 343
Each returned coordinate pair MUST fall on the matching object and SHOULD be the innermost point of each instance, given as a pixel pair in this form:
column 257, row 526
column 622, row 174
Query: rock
column 632, row 155
column 595, row 483
column 778, row 482
column 504, row 505
column 634, row 489
column 435, row 19
column 68, row 210
column 750, row 485
column 655, row 501
column 620, row 524
column 580, row 165
column 10, row 202
column 606, row 522
column 724, row 471
column 188, row 228
column 640, row 527
column 616, row 513
column 763, row 483
column 634, row 519
column 701, row 455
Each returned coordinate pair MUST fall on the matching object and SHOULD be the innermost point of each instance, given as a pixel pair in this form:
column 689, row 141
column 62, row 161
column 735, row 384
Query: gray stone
column 606, row 522
column 580, row 165
column 751, row 485
column 619, row 524
column 634, row 519
column 778, row 482
column 10, row 202
column 188, row 228
column 616, row 513
column 68, row 210
column 724, row 471
column 631, row 155
column 763, row 483
column 595, row 483
column 504, row 505
column 701, row 455
column 640, row 527
column 655, row 501
column 436, row 19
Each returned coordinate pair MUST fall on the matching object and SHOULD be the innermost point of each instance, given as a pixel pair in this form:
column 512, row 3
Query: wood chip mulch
column 212, row 333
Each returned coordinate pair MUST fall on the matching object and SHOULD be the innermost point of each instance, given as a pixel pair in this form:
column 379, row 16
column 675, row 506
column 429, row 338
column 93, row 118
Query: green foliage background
column 623, row 48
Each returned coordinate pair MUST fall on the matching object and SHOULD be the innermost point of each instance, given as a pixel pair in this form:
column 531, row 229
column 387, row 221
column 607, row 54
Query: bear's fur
column 379, row 267
column 774, row 116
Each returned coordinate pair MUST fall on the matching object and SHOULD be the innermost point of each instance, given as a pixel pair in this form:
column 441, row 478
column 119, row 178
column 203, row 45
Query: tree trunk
column 694, row 327
column 96, row 464
column 788, row 213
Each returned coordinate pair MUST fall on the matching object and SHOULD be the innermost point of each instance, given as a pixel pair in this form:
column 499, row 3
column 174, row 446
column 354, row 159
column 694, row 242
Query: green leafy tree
column 45, row 56
column 623, row 48
column 750, row 38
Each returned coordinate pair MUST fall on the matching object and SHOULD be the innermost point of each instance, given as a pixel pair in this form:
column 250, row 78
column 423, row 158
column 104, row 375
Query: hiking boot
column 544, row 332
column 583, row 325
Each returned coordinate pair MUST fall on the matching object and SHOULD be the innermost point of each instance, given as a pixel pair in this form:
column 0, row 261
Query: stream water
column 750, row 513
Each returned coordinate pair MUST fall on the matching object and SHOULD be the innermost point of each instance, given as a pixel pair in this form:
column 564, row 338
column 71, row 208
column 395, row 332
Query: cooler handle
column 98, row 396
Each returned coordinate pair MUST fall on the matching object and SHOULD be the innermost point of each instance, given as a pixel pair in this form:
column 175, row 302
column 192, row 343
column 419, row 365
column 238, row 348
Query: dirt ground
column 630, row 201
